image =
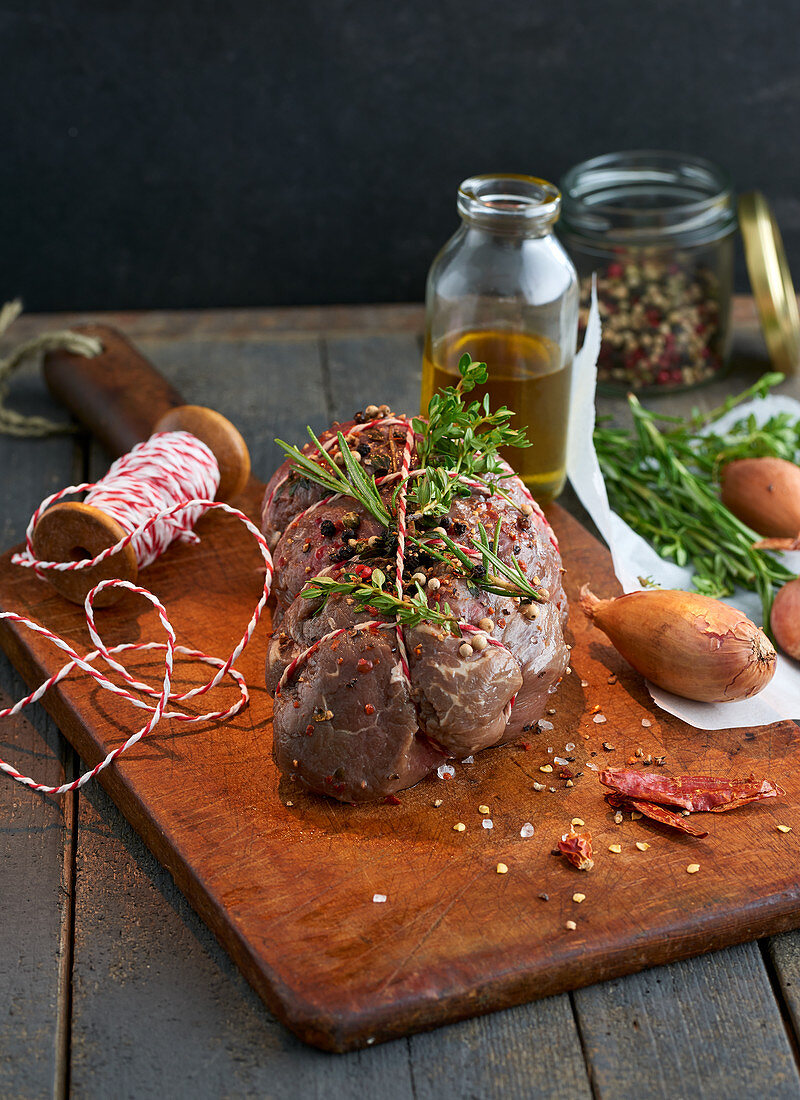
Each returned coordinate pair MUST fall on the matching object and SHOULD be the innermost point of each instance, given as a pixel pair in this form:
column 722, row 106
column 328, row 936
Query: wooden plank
column 227, row 325
column 36, row 835
column 266, row 389
column 378, row 369
column 234, row 324
column 705, row 1027
column 529, row 1051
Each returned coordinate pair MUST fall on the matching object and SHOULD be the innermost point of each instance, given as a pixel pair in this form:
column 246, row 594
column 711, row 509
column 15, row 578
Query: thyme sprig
column 371, row 595
column 460, row 439
column 662, row 478
column 349, row 480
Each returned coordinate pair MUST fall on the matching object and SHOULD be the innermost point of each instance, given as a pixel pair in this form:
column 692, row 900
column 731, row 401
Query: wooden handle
column 122, row 399
column 117, row 395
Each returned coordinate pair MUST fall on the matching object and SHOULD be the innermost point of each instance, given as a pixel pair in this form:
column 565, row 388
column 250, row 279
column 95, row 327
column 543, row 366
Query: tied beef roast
column 348, row 722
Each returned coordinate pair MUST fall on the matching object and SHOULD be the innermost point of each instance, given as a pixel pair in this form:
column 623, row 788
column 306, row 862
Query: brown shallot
column 686, row 643
column 764, row 493
column 785, row 618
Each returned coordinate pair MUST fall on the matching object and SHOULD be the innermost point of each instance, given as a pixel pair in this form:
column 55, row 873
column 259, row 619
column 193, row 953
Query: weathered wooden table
column 110, row 985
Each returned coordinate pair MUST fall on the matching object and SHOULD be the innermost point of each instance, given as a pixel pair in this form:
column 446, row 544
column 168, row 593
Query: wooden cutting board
column 286, row 879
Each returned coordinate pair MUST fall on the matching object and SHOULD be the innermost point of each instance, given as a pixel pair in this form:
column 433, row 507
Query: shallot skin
column 764, row 493
column 685, row 643
column 785, row 618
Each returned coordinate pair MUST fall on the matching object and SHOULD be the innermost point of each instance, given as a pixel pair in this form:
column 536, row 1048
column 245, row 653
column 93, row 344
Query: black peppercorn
column 327, row 528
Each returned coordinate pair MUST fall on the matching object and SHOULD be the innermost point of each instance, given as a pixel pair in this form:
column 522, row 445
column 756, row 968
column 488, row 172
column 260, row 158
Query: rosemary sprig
column 491, row 574
column 517, row 584
column 662, row 479
column 349, row 480
column 411, row 610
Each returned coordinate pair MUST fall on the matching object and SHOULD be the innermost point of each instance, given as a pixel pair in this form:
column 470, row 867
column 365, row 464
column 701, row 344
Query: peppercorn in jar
column 658, row 231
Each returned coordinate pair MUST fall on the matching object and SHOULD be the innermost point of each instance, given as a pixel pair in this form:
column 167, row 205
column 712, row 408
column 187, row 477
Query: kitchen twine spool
column 151, row 497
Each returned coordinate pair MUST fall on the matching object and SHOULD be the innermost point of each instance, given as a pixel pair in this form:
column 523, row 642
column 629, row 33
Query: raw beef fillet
column 347, row 721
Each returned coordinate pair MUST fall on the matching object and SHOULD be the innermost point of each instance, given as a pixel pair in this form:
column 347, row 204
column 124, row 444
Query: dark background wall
column 189, row 153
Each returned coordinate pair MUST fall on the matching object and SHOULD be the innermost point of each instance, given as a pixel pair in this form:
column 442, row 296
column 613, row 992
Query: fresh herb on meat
column 460, row 439
column 489, row 572
column 369, row 594
column 349, row 480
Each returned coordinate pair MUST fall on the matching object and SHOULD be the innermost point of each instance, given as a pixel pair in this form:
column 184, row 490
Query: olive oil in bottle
column 527, row 373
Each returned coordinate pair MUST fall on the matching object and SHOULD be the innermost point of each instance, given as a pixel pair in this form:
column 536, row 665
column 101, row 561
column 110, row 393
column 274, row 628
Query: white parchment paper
column 633, row 557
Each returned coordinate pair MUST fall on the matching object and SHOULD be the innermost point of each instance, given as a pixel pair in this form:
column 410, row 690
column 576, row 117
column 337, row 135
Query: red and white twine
column 172, row 473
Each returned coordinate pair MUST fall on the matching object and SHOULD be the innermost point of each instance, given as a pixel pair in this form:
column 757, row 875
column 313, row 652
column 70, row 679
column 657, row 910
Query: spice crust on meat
column 420, row 607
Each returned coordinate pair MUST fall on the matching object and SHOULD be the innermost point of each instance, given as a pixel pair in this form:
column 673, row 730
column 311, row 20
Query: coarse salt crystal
column 468, row 760
column 526, row 830
column 646, row 722
column 569, row 747
column 589, row 764
column 487, row 823
column 560, row 760
column 549, row 748
column 584, row 683
column 599, row 719
column 445, row 769
column 544, row 724
column 379, row 897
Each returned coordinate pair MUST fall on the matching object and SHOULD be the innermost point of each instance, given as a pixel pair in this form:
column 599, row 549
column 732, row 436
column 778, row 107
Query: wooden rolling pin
column 122, row 399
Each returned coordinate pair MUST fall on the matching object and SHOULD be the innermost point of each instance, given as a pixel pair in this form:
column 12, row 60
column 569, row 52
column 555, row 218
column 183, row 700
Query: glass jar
column 504, row 290
column 658, row 229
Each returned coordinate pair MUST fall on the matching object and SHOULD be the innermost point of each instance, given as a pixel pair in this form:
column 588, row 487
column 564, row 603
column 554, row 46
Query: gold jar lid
column 771, row 281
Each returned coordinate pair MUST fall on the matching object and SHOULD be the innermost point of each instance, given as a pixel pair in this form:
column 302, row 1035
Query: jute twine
column 15, row 423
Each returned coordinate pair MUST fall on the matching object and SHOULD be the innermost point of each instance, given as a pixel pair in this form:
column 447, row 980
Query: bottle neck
column 511, row 206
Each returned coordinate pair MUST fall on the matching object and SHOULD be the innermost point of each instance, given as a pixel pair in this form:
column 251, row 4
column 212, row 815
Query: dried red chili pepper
column 689, row 792
column 656, row 813
column 577, row 848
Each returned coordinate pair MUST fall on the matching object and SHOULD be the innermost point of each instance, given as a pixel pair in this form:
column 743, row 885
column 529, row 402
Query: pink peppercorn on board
column 291, row 882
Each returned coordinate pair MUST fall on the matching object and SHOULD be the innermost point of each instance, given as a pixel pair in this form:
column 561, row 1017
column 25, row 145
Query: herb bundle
column 458, row 440
column 662, row 478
